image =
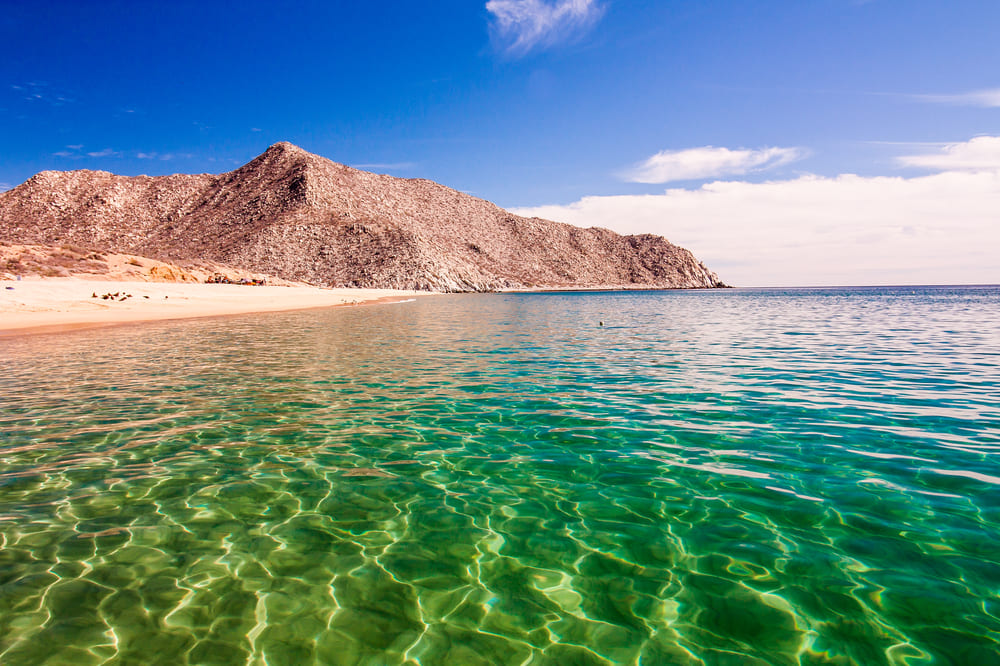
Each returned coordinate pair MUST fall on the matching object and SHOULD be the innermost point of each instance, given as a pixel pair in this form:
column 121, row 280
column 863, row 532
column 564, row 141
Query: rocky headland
column 300, row 217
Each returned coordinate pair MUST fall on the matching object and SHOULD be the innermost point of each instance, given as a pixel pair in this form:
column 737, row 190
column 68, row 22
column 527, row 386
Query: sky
column 785, row 142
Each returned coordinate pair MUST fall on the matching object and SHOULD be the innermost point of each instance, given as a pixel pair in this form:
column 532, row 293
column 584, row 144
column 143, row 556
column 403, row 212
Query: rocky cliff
column 298, row 216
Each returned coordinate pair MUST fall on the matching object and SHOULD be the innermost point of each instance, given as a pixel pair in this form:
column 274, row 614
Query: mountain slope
column 302, row 217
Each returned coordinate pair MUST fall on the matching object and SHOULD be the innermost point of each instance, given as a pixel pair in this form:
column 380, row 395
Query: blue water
column 803, row 476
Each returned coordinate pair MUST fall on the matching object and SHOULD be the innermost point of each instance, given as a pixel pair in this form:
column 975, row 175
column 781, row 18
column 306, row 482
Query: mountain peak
column 285, row 148
column 284, row 157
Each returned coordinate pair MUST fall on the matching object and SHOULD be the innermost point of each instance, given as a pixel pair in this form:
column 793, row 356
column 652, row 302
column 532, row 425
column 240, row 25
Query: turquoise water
column 720, row 477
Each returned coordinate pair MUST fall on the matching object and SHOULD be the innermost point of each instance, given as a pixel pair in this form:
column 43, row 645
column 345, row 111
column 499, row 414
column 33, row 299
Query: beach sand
column 46, row 305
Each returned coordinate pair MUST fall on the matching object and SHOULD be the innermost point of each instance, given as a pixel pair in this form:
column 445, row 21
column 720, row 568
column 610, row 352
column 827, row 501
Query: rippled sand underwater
column 725, row 477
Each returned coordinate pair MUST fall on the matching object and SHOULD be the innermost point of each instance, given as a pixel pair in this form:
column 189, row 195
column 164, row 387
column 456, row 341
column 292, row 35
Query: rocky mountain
column 302, row 217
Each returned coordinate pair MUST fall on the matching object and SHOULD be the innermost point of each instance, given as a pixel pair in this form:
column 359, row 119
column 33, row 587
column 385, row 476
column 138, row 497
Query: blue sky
column 784, row 142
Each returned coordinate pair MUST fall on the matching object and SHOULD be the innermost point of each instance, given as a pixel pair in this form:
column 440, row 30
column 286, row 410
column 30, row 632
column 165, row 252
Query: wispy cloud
column 388, row 166
column 75, row 152
column 911, row 144
column 70, row 152
column 986, row 98
column 165, row 157
column 5, row 186
column 521, row 26
column 39, row 91
column 107, row 152
column 978, row 154
column 708, row 162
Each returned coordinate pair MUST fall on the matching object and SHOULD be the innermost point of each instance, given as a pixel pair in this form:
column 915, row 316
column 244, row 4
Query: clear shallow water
column 733, row 477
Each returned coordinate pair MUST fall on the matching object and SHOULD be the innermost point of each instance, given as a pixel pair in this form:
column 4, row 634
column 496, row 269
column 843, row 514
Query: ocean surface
column 802, row 476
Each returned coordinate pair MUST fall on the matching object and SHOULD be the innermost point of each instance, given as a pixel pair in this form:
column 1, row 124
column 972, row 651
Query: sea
column 739, row 476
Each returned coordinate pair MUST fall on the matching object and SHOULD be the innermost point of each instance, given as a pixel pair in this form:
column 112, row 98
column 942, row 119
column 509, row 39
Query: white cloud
column 75, row 152
column 982, row 152
column 166, row 157
column 522, row 25
column 708, row 162
column 987, row 98
column 72, row 152
column 813, row 230
column 5, row 186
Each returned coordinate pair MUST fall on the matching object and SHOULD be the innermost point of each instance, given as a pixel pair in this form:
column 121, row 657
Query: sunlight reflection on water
column 792, row 476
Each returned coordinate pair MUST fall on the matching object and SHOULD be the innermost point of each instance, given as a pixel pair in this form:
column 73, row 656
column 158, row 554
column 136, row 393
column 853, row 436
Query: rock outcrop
column 302, row 217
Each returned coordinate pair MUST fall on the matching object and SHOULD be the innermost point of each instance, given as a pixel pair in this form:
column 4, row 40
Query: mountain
column 299, row 216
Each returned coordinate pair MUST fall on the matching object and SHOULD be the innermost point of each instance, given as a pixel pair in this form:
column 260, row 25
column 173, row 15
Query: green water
column 735, row 477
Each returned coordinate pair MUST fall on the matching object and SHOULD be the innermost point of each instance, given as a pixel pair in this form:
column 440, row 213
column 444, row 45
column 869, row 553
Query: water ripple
column 801, row 476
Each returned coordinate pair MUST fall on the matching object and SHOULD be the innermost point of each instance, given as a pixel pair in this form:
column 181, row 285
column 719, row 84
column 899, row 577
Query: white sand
column 55, row 304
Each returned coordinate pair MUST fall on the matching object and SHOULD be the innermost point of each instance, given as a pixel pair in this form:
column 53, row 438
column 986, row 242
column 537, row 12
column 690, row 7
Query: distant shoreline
column 54, row 305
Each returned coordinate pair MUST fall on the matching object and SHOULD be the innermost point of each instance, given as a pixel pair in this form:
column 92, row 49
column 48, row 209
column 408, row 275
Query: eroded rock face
column 298, row 216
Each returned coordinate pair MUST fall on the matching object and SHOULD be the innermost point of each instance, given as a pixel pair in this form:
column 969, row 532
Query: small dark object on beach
column 10, row 288
column 94, row 295
column 601, row 324
column 145, row 296
column 219, row 278
column 106, row 296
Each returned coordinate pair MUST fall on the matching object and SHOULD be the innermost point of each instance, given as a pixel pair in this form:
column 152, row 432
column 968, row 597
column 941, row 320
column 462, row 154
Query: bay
column 798, row 476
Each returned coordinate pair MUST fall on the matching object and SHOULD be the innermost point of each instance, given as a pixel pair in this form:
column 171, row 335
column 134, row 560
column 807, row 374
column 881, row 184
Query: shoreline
column 57, row 305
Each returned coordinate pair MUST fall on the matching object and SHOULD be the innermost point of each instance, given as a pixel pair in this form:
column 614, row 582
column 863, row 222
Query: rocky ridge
column 295, row 215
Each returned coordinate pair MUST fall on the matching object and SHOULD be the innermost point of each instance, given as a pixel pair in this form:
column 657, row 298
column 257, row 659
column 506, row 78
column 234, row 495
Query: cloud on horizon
column 668, row 166
column 982, row 152
column 814, row 230
column 521, row 26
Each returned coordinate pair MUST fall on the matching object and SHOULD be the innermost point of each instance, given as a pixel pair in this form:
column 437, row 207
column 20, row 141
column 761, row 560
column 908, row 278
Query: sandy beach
column 60, row 304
